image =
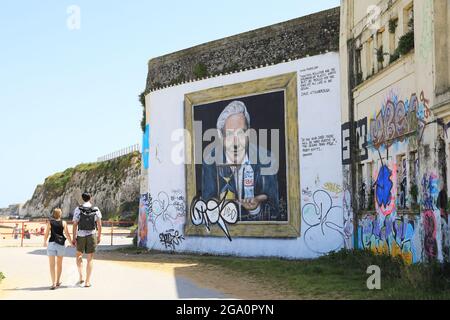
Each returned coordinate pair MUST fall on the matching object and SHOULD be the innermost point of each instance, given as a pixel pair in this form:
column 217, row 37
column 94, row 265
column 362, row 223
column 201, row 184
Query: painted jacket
column 263, row 184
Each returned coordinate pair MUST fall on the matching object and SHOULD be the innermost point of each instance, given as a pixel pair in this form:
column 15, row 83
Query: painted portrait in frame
column 242, row 177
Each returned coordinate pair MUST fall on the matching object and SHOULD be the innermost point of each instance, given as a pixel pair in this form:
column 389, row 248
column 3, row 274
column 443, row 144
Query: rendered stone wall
column 306, row 36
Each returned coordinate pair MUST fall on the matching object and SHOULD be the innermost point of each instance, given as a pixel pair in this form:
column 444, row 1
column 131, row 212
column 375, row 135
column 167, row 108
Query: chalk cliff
column 114, row 185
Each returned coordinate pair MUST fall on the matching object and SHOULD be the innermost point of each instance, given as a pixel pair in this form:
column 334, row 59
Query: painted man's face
column 235, row 138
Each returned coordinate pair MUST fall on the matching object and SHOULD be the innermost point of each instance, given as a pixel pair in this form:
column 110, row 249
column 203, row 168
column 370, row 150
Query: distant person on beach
column 56, row 245
column 87, row 232
column 26, row 232
column 16, row 231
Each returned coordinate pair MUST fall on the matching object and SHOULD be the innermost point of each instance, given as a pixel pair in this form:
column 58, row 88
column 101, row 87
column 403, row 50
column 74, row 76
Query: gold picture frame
column 262, row 229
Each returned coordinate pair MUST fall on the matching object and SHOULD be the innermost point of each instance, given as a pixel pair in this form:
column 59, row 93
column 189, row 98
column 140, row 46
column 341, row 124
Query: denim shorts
column 55, row 250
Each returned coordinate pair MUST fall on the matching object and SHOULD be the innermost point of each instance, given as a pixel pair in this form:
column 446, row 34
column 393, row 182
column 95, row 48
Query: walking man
column 87, row 230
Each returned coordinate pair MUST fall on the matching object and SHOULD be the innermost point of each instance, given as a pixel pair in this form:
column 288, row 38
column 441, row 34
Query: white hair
column 235, row 107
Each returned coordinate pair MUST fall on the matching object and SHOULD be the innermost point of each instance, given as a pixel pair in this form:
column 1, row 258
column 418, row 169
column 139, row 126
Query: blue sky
column 70, row 96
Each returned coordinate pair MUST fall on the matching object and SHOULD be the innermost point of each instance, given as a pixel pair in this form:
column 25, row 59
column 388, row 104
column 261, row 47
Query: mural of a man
column 235, row 176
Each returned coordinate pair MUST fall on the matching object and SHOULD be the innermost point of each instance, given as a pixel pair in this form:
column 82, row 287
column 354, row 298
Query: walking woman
column 56, row 245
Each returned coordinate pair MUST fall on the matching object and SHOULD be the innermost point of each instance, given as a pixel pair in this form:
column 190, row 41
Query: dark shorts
column 87, row 244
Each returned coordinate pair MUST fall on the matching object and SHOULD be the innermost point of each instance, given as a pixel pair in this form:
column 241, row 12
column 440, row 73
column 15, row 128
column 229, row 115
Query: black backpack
column 87, row 218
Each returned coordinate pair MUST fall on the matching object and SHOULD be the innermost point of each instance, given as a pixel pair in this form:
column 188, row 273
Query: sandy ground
column 27, row 277
column 232, row 284
column 128, row 276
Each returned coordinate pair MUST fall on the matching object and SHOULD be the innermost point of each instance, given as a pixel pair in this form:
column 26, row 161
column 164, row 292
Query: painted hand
column 250, row 204
column 253, row 203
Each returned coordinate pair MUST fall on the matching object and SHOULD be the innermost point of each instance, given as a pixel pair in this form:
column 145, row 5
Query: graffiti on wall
column 384, row 186
column 146, row 147
column 391, row 235
column 386, row 189
column 171, row 239
column 332, row 187
column 212, row 212
column 430, row 191
column 430, row 246
column 348, row 219
column 144, row 211
column 167, row 210
column 361, row 139
column 445, row 238
column 324, row 223
column 399, row 118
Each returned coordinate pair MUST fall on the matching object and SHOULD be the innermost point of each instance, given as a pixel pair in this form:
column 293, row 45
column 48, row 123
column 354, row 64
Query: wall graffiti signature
column 325, row 223
column 398, row 118
column 171, row 238
column 391, row 235
column 430, row 190
column 168, row 208
column 361, row 139
column 212, row 212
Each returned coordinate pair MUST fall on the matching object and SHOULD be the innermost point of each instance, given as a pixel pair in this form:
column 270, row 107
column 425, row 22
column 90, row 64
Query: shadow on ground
column 186, row 288
column 70, row 252
column 194, row 268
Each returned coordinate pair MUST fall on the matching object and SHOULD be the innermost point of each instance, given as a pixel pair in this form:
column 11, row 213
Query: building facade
column 395, row 76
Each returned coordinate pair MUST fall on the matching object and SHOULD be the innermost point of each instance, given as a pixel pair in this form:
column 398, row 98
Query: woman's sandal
column 88, row 285
column 58, row 284
column 53, row 287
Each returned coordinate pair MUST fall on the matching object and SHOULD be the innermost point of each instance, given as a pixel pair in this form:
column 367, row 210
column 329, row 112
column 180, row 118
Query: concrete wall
column 305, row 36
column 325, row 221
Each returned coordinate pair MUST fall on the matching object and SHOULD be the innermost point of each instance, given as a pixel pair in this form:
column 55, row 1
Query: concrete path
column 28, row 277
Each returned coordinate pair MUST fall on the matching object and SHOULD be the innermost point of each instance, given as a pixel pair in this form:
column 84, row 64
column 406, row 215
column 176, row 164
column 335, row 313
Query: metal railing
column 31, row 232
column 120, row 153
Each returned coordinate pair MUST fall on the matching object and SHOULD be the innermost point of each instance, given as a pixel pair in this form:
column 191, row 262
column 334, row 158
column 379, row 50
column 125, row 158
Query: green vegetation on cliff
column 113, row 169
column 112, row 173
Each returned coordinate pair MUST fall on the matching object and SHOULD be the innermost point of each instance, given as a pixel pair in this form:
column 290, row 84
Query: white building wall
column 320, row 173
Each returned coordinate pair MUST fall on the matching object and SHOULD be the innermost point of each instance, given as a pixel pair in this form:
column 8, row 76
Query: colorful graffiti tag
column 389, row 235
column 144, row 211
column 430, row 246
column 398, row 118
column 384, row 186
column 386, row 189
column 430, row 191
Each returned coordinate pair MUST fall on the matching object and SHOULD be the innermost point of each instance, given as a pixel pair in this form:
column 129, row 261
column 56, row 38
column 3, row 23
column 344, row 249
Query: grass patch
column 2, row 276
column 339, row 275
